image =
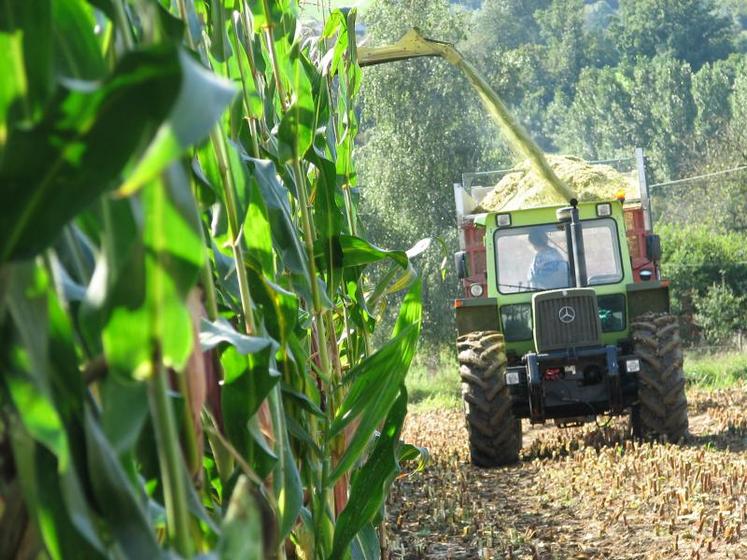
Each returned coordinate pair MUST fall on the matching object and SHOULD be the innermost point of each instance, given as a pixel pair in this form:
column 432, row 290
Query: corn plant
column 186, row 302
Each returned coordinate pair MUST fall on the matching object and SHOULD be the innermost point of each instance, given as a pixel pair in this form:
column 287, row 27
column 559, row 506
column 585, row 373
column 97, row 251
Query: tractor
column 593, row 337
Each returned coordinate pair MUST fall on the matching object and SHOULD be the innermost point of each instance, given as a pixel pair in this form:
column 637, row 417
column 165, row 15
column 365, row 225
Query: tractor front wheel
column 662, row 404
column 494, row 433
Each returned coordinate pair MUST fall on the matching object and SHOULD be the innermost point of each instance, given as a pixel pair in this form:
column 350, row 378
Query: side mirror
column 460, row 262
column 653, row 247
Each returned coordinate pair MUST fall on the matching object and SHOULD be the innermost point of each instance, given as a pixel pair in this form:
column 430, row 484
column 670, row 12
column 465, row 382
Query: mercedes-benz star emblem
column 566, row 314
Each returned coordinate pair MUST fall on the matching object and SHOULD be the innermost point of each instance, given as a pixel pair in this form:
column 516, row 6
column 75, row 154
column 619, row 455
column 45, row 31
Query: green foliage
column 616, row 109
column 688, row 30
column 708, row 273
column 715, row 371
column 720, row 313
column 433, row 382
column 711, row 89
column 187, row 363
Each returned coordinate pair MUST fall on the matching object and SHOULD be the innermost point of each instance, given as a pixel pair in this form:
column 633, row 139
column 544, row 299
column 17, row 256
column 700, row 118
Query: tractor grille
column 566, row 319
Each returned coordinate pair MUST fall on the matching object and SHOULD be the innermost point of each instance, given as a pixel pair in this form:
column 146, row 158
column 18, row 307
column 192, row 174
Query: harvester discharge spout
column 414, row 45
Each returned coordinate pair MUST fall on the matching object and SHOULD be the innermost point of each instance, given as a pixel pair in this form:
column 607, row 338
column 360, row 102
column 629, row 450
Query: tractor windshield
column 534, row 258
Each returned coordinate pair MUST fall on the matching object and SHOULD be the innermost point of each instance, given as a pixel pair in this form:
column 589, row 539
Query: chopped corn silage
column 522, row 188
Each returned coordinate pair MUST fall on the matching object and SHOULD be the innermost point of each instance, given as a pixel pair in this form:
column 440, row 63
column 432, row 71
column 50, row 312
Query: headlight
column 503, row 220
column 512, row 378
column 632, row 366
column 475, row 290
column 604, row 209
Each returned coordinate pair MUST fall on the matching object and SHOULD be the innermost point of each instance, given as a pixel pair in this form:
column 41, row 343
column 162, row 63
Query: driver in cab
column 549, row 269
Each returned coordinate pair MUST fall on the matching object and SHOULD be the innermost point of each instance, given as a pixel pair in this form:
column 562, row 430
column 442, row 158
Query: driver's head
column 538, row 238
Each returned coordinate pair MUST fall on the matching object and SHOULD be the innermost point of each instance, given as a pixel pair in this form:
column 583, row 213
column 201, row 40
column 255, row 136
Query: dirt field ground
column 589, row 492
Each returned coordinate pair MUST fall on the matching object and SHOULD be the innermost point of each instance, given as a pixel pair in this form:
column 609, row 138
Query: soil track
column 589, row 492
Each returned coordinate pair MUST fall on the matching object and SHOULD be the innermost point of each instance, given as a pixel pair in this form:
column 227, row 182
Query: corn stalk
column 197, row 149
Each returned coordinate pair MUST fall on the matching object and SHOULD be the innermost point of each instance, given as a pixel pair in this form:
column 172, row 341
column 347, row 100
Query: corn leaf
column 85, row 140
column 376, row 381
column 146, row 303
column 76, row 49
column 27, row 61
column 115, row 498
column 359, row 252
column 214, row 333
column 201, row 100
column 241, row 530
column 370, row 485
column 284, row 232
column 38, row 470
column 296, row 130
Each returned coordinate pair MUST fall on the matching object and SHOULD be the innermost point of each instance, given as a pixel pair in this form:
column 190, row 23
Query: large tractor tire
column 662, row 405
column 494, row 433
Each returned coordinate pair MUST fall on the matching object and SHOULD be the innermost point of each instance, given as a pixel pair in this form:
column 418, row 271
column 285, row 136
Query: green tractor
column 564, row 317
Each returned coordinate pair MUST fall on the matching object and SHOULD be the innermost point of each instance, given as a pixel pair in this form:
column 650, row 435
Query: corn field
column 186, row 302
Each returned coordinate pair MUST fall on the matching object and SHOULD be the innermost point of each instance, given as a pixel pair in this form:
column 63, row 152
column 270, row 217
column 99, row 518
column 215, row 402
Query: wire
column 696, row 177
column 701, row 265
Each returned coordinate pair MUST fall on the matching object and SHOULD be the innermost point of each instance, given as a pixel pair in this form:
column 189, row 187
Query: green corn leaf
column 286, row 478
column 240, row 69
column 262, row 457
column 214, row 333
column 220, row 46
column 86, row 138
column 302, row 435
column 39, row 416
column 336, row 24
column 13, row 87
column 76, row 49
column 116, row 498
column 264, row 18
column 371, row 484
column 146, row 302
column 27, row 61
column 247, row 382
column 359, row 252
column 296, row 130
column 46, row 388
column 259, row 243
column 284, row 233
column 303, row 401
column 366, row 545
column 124, row 412
column 376, row 381
column 241, row 530
column 33, row 378
column 44, row 496
column 209, row 165
column 279, row 307
column 344, row 164
column 202, row 99
column 328, row 216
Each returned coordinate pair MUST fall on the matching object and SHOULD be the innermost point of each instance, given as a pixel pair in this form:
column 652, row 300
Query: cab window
column 534, row 258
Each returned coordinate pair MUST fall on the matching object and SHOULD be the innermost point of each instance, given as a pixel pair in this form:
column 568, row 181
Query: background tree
column 423, row 128
column 690, row 30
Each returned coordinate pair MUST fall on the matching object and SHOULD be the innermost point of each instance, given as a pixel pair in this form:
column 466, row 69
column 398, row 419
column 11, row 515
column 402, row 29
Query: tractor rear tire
column 494, row 433
column 662, row 405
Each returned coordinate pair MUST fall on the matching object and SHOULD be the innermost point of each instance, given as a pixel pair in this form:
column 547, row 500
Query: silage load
column 522, row 188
